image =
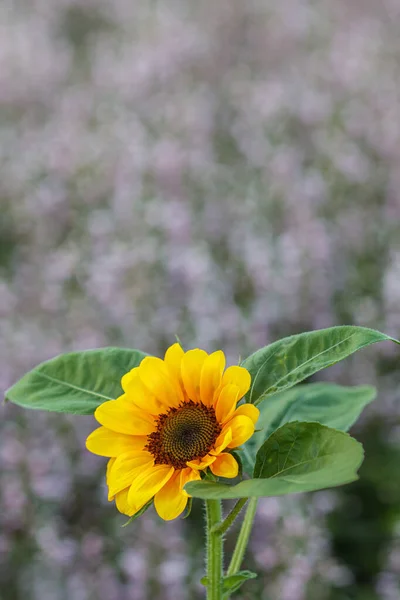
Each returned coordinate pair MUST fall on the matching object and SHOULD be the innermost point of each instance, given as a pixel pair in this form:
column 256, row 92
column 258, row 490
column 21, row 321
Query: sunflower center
column 184, row 433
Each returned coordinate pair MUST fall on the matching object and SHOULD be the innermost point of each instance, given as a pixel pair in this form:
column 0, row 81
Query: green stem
column 230, row 518
column 243, row 538
column 214, row 551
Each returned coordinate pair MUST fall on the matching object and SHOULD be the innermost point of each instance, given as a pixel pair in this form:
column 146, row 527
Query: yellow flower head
column 176, row 418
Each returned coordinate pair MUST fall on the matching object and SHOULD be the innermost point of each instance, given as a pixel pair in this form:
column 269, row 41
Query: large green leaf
column 77, row 382
column 326, row 403
column 288, row 361
column 298, row 457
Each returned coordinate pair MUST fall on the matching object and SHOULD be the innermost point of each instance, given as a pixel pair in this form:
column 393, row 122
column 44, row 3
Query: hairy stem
column 214, row 550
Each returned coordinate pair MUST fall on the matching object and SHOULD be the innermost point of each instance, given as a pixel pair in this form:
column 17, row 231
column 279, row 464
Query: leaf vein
column 304, row 462
column 309, row 360
column 71, row 385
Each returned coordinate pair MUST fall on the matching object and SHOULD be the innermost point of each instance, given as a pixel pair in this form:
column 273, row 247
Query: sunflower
column 176, row 418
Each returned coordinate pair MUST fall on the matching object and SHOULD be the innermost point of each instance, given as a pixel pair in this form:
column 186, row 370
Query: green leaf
column 138, row 514
column 188, row 509
column 231, row 583
column 326, row 403
column 77, row 382
column 288, row 361
column 299, row 449
column 298, row 457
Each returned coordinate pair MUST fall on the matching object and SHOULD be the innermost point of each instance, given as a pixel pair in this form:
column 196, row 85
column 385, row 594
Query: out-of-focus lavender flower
column 225, row 172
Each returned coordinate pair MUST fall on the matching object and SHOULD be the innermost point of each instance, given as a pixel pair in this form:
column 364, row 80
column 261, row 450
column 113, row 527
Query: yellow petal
column 173, row 357
column 109, row 465
column 225, row 466
column 192, row 364
column 121, row 502
column 242, row 429
column 126, row 468
column 129, row 378
column 211, row 375
column 123, row 417
column 148, row 484
column 105, row 442
column 156, row 378
column 226, row 403
column 173, row 360
column 237, row 376
column 222, row 441
column 169, row 502
column 139, row 395
column 249, row 410
column 188, row 475
column 201, row 463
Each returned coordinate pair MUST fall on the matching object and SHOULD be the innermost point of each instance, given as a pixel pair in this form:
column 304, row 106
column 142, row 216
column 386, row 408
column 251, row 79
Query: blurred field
column 225, row 171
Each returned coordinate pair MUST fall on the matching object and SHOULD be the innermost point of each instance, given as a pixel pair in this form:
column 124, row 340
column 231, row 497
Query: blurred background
column 225, row 171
